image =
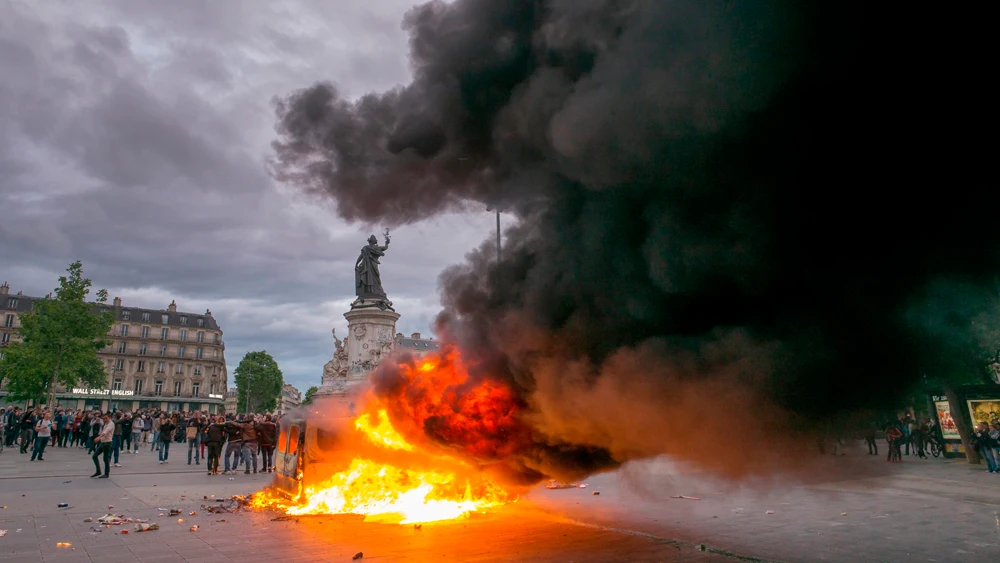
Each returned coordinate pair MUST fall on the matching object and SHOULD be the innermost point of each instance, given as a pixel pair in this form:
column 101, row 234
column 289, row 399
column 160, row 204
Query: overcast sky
column 133, row 137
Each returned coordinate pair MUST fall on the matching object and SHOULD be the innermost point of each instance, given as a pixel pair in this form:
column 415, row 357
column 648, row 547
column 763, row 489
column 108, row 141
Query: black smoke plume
column 724, row 209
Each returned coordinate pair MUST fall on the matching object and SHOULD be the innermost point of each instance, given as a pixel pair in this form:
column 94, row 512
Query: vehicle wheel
column 935, row 450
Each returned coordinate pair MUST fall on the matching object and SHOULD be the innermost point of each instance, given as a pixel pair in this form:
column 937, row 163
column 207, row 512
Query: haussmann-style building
column 164, row 359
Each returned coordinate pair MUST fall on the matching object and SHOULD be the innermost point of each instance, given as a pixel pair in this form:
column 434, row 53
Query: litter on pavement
column 553, row 484
column 686, row 497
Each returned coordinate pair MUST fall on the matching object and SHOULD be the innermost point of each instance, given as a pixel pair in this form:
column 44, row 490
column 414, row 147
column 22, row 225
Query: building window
column 8, row 321
column 201, row 321
column 12, row 303
column 199, row 352
column 140, row 366
column 178, row 385
column 184, row 335
column 195, row 387
column 180, row 368
column 125, row 315
column 164, row 333
column 164, row 319
column 163, row 351
column 145, row 317
column 142, row 349
column 124, row 330
column 117, row 385
column 197, row 370
column 5, row 338
column 144, row 332
column 212, row 387
column 215, row 354
column 184, row 320
column 158, row 386
column 159, row 368
column 120, row 365
column 180, row 351
column 201, row 336
column 122, row 347
column 138, row 385
column 217, row 338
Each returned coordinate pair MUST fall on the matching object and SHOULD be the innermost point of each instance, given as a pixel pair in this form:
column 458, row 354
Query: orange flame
column 394, row 490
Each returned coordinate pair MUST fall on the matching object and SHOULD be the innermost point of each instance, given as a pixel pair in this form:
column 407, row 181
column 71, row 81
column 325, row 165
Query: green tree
column 957, row 326
column 258, row 382
column 310, row 392
column 59, row 341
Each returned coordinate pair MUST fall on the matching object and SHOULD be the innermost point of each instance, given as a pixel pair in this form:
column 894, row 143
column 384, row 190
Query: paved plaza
column 934, row 510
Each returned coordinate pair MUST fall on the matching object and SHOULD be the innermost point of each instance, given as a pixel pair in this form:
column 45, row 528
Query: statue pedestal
column 371, row 336
column 371, row 332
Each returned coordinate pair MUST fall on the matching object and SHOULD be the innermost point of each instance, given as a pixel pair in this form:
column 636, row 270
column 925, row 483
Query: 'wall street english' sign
column 118, row 393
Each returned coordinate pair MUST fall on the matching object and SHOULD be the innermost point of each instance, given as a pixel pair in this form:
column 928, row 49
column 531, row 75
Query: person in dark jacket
column 234, row 434
column 215, row 434
column 28, row 421
column 267, row 435
column 166, row 436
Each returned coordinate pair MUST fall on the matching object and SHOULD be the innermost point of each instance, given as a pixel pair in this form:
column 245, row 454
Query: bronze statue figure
column 367, row 281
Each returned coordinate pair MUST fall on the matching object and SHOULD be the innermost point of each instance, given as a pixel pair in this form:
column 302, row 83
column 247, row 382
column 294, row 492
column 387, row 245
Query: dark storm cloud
column 133, row 136
column 718, row 238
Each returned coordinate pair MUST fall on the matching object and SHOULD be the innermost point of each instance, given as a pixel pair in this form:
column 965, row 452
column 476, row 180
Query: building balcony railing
column 156, row 338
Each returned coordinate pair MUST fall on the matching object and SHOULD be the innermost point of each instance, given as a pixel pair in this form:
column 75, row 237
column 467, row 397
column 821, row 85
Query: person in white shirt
column 43, row 431
column 102, row 447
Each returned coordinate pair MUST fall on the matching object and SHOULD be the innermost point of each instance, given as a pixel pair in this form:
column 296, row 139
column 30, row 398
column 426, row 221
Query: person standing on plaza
column 986, row 447
column 103, row 445
column 96, row 425
column 167, row 428
column 127, row 433
column 28, row 420
column 234, row 447
column 250, row 444
column 267, row 435
column 147, row 426
column 43, row 431
column 12, row 426
column 58, row 424
column 136, row 432
column 116, row 442
column 157, row 422
column 193, row 436
column 215, row 433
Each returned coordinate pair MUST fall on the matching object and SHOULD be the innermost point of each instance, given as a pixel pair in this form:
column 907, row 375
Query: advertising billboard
column 949, row 431
column 984, row 410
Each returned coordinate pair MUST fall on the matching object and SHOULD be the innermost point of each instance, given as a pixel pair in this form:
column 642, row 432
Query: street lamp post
column 491, row 208
column 249, row 379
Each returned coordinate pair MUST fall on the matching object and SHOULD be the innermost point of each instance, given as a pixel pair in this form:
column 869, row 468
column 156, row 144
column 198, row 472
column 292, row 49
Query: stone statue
column 367, row 281
column 335, row 370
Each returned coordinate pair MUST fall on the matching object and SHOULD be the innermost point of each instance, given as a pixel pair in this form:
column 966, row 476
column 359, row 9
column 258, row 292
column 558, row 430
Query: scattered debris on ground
column 685, row 497
column 63, row 544
column 597, row 493
column 357, row 556
column 553, row 484
column 194, row 528
column 769, row 512
column 88, row 519
column 146, row 527
column 415, row 526
column 174, row 512
column 285, row 518
column 3, row 533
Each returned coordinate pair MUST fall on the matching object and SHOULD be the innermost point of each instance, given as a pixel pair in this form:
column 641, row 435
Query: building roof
column 24, row 304
column 420, row 344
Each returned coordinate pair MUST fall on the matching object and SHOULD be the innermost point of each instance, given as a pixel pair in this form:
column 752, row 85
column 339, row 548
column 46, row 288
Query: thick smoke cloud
column 720, row 221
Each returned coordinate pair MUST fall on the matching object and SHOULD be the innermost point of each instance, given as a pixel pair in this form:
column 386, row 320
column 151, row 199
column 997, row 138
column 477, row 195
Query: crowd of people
column 238, row 439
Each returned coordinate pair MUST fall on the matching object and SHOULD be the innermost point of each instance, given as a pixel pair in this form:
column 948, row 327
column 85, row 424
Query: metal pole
column 498, row 235
column 247, row 405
